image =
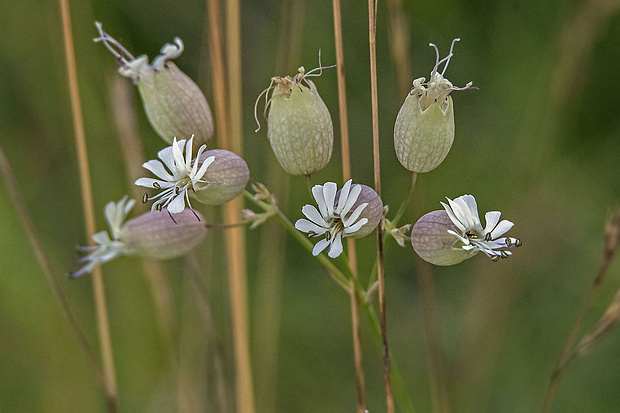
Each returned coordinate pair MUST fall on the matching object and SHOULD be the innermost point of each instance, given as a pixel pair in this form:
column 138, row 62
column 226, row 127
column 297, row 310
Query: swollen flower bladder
column 424, row 128
column 452, row 235
column 177, row 176
column 153, row 234
column 299, row 126
column 345, row 218
column 174, row 104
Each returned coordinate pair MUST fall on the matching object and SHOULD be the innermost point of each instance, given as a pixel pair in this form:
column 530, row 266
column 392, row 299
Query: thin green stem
column 405, row 203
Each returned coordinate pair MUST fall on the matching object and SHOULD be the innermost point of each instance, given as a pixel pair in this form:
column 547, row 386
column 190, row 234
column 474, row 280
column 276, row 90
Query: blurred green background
column 539, row 141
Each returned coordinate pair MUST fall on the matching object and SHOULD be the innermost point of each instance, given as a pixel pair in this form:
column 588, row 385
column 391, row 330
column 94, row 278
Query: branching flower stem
column 345, row 280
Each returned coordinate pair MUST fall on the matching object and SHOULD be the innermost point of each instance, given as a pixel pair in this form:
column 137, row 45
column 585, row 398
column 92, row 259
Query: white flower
column 182, row 174
column 331, row 219
column 463, row 212
column 107, row 249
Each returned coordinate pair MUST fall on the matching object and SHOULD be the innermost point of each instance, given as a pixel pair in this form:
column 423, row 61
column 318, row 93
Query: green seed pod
column 424, row 128
column 432, row 242
column 157, row 234
column 299, row 126
column 227, row 175
column 174, row 105
column 373, row 211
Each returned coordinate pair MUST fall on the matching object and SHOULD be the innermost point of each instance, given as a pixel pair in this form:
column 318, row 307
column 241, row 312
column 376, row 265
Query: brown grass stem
column 609, row 251
column 399, row 32
column 346, row 175
column 218, row 68
column 235, row 238
column 37, row 247
column 103, row 323
column 372, row 36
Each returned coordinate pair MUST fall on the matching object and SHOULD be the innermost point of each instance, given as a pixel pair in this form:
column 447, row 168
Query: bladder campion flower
column 424, row 129
column 153, row 234
column 299, row 126
column 178, row 175
column 335, row 220
column 455, row 234
column 174, row 104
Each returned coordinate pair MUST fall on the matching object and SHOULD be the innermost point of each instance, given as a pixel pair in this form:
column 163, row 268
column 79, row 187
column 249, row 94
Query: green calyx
column 299, row 126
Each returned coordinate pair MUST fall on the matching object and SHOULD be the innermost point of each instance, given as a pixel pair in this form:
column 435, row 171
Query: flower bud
column 373, row 211
column 174, row 105
column 424, row 129
column 432, row 241
column 299, row 126
column 227, row 175
column 157, row 234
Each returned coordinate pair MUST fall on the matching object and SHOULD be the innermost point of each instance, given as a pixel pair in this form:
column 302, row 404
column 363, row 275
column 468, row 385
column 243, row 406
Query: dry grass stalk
column 103, row 323
column 372, row 41
column 612, row 236
column 346, row 175
column 611, row 316
column 235, row 237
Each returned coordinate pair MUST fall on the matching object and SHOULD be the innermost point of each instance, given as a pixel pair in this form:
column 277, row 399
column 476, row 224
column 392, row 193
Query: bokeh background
column 538, row 141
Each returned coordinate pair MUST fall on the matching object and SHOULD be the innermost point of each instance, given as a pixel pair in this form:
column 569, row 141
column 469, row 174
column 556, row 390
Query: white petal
column 148, row 183
column 329, row 191
column 157, row 168
column 453, row 217
column 313, row 215
column 335, row 249
column 188, row 153
column 203, row 167
column 344, row 195
column 501, row 228
column 317, row 193
column 320, row 246
column 356, row 227
column 195, row 166
column 177, row 152
column 463, row 239
column 466, row 210
column 102, row 238
column 306, row 226
column 167, row 156
column 355, row 215
column 491, row 218
column 353, row 195
column 177, row 204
